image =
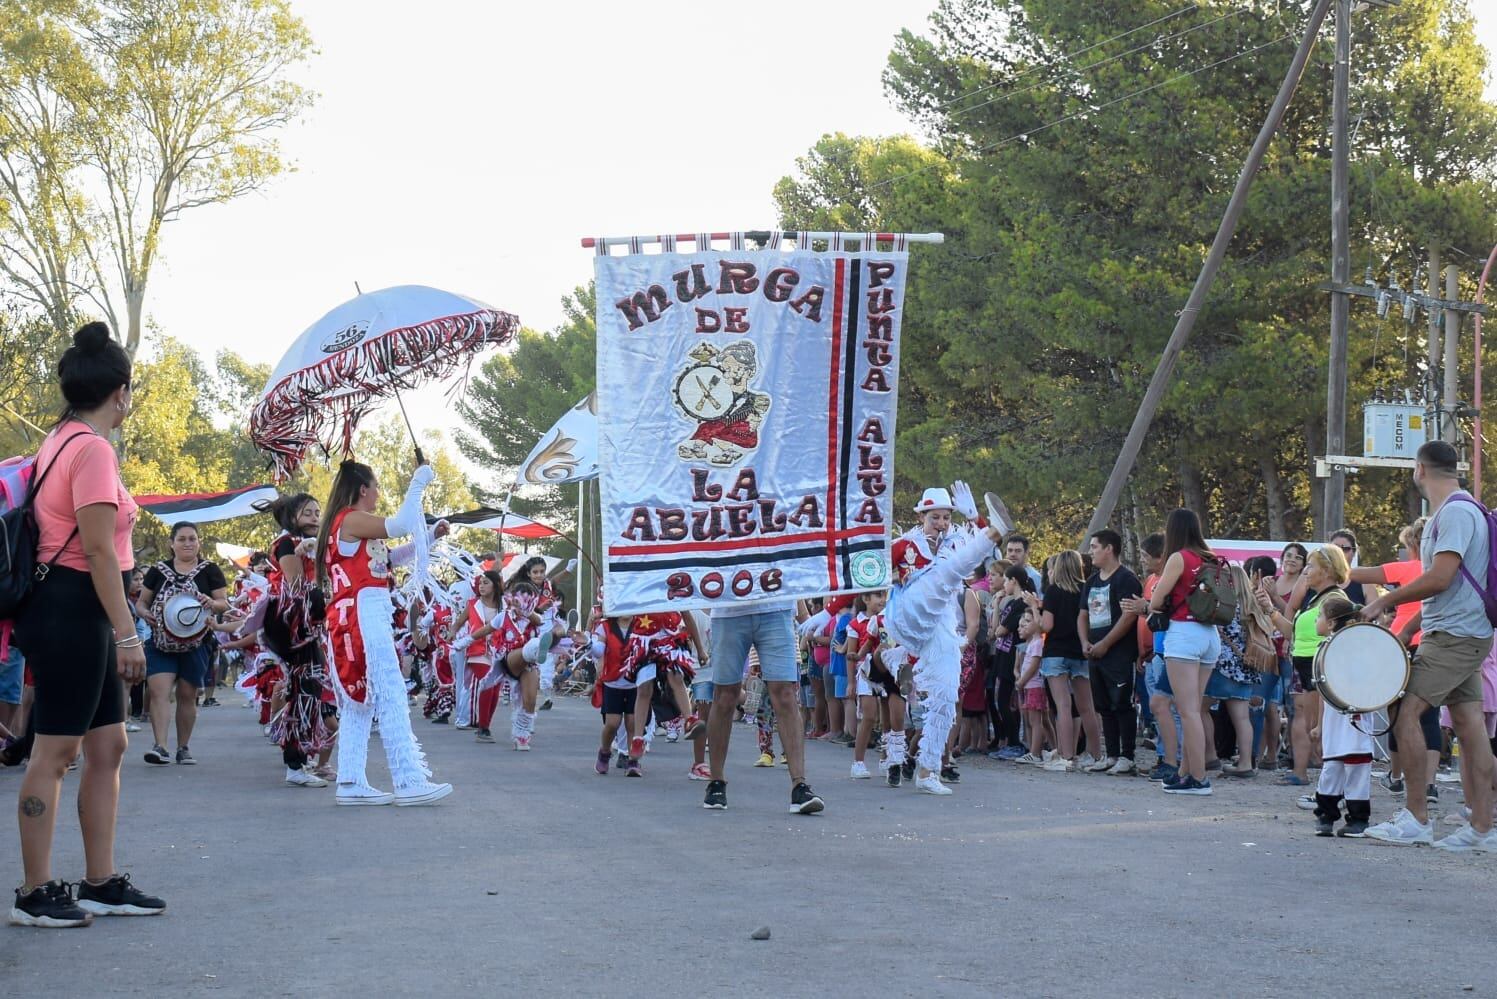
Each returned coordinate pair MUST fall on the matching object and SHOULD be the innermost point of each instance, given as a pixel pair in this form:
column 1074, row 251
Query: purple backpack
column 1487, row 593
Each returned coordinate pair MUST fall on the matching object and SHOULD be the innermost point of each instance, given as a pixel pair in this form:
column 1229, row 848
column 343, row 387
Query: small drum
column 184, row 618
column 1361, row 668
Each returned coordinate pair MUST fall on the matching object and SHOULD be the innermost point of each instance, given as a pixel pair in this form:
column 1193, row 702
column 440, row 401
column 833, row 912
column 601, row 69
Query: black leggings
column 1006, row 717
column 69, row 644
column 1429, row 727
column 1112, row 690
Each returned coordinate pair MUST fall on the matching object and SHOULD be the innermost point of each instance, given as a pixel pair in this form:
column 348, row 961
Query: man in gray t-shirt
column 1457, row 638
column 1459, row 527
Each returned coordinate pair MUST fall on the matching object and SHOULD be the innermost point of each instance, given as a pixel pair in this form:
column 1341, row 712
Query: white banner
column 568, row 452
column 746, row 405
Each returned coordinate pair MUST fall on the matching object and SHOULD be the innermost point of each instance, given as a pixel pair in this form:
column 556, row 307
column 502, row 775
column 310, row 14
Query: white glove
column 961, row 497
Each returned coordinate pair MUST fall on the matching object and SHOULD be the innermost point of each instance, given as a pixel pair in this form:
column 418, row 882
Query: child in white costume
column 1346, row 750
column 930, row 564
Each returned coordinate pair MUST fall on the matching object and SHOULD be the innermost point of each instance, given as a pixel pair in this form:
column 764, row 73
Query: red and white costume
column 366, row 666
column 441, row 694
column 513, row 632
column 658, row 643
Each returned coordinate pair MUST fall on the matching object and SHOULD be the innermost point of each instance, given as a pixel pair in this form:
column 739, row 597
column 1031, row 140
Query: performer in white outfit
column 351, row 555
column 931, row 562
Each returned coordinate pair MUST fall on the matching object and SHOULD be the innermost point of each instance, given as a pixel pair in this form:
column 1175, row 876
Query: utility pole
column 1335, row 410
column 1450, row 399
column 1123, row 467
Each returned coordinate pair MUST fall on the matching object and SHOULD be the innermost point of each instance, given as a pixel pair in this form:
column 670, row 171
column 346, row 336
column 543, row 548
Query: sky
column 470, row 147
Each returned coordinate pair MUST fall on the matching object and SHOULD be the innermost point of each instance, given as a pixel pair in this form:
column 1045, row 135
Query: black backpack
column 19, row 538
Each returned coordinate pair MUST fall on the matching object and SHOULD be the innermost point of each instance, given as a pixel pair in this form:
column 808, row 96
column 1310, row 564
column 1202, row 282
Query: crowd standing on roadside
column 1076, row 668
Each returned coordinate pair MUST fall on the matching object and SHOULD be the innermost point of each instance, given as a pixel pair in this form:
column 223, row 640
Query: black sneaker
column 158, row 755
column 894, row 774
column 949, row 775
column 804, row 801
column 50, row 905
column 440, row 720
column 717, row 795
column 907, row 771
column 1353, row 829
column 1432, row 795
column 1324, row 827
column 185, row 758
column 118, row 897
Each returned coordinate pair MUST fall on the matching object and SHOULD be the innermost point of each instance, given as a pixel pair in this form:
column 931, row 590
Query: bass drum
column 1361, row 669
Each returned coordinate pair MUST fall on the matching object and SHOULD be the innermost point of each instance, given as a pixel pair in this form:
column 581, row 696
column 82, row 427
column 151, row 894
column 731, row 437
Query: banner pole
column 762, row 235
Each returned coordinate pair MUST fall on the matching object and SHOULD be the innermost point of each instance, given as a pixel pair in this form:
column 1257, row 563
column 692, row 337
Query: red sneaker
column 695, row 727
column 637, row 747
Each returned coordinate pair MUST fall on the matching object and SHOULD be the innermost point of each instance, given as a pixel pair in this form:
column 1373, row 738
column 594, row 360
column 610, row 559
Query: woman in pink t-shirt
column 79, row 640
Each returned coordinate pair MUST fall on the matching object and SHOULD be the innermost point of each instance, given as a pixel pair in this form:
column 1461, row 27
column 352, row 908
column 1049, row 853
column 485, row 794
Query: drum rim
column 171, row 617
column 1323, row 686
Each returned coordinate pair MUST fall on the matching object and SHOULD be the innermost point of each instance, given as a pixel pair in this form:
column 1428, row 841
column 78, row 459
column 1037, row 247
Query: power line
column 1092, row 109
column 1188, row 8
column 1157, row 40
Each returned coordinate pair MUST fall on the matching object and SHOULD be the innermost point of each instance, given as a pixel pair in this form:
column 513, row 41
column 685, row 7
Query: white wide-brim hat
column 935, row 498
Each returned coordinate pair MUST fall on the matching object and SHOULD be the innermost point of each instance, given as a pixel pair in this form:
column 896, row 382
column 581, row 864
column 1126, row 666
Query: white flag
column 568, row 452
column 746, row 405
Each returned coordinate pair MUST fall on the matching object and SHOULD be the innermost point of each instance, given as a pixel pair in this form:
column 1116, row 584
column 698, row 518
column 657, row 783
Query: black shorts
column 974, row 714
column 69, row 645
column 1429, row 727
column 1304, row 668
column 619, row 700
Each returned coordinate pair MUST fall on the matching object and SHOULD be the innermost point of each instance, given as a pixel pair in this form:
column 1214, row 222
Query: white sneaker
column 1029, row 759
column 1101, row 766
column 522, row 745
column 1058, row 765
column 1404, row 830
column 425, row 793
column 300, row 778
column 931, row 784
column 1085, row 761
column 1046, row 755
column 1307, row 802
column 860, row 770
column 362, row 794
column 131, row 726
column 1123, row 767
column 1468, row 840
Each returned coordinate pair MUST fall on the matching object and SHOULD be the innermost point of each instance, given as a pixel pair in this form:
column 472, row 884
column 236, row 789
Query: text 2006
column 681, row 585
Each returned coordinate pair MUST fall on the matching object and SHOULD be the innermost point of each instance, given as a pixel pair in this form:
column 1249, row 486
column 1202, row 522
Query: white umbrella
column 365, row 350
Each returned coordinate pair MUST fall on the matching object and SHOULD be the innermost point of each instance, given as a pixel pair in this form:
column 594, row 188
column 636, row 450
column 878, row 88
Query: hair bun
column 92, row 337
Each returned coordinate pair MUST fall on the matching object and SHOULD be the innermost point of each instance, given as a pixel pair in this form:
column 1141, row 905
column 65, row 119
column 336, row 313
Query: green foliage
column 1031, row 333
column 518, row 394
column 118, row 115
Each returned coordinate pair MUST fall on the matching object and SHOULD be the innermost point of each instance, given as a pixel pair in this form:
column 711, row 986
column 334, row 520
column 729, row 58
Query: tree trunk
column 1413, row 503
column 1273, row 489
column 135, row 300
column 1316, row 513
column 1193, row 491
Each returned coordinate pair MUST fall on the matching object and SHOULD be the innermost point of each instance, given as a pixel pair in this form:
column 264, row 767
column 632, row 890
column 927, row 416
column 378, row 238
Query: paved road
column 1021, row 883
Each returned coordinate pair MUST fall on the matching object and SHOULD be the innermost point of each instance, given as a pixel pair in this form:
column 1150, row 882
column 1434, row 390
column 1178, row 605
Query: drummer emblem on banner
column 746, row 407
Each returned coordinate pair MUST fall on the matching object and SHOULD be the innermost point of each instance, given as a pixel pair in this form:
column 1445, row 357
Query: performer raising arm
column 352, row 556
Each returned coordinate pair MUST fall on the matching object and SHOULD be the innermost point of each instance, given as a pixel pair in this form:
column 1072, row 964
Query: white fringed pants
column 921, row 618
column 385, row 699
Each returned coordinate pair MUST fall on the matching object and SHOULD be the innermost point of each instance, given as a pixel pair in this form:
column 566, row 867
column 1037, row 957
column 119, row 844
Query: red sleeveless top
column 368, row 567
